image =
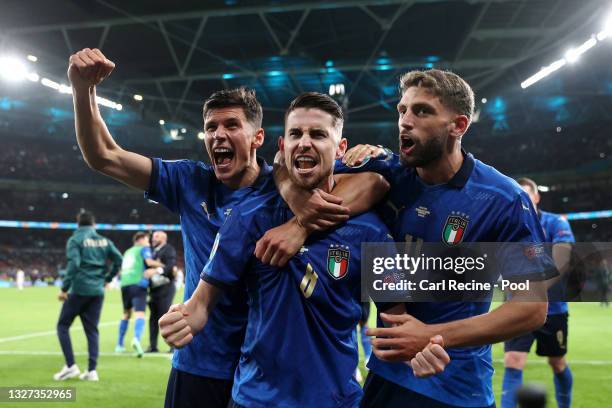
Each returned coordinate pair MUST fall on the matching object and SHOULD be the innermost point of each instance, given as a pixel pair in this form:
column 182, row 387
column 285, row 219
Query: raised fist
column 88, row 68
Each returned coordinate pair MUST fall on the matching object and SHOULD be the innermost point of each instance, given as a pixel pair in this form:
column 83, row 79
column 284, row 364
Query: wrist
column 303, row 230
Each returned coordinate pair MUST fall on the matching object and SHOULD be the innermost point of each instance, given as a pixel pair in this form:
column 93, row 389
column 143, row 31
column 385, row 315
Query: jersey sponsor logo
column 338, row 260
column 455, row 227
column 422, row 211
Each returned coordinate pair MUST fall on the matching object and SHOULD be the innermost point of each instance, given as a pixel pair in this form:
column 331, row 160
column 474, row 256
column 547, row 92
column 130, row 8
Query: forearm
column 152, row 263
column 509, row 320
column 100, row 150
column 361, row 191
column 561, row 254
column 67, row 281
column 93, row 137
column 201, row 304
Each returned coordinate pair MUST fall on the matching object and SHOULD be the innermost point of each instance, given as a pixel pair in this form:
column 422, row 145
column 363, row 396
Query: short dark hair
column 453, row 91
column 242, row 97
column 527, row 182
column 85, row 218
column 316, row 100
column 139, row 235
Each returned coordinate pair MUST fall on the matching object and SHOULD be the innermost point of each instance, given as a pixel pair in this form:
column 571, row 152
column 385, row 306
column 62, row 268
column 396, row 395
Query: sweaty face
column 424, row 125
column 229, row 139
column 310, row 146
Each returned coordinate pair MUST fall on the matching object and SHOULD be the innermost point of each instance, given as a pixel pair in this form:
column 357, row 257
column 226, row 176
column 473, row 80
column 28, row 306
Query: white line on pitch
column 569, row 361
column 48, row 333
column 59, row 353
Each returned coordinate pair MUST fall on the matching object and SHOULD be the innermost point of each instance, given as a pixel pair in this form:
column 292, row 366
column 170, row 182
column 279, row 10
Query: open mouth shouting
column 304, row 164
column 223, row 157
column 407, row 144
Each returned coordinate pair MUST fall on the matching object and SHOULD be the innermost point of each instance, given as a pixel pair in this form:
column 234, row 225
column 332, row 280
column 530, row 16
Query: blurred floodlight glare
column 12, row 69
column 50, row 84
column 201, row 135
column 572, row 55
column 32, row 58
column 33, row 76
column 138, row 97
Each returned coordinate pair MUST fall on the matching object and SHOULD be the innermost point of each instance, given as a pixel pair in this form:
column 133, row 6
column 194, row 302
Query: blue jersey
column 489, row 207
column 191, row 190
column 556, row 230
column 300, row 348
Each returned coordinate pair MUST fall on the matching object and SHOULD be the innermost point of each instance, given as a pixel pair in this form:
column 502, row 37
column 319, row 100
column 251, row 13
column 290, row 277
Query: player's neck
column 247, row 177
column 443, row 169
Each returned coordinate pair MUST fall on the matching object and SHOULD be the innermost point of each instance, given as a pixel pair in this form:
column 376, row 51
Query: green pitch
column 30, row 354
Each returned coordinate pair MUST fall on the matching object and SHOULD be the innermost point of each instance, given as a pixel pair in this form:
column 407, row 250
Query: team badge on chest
column 338, row 260
column 455, row 227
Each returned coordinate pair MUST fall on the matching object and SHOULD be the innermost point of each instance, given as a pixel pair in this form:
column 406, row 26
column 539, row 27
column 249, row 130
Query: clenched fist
column 181, row 323
column 88, row 68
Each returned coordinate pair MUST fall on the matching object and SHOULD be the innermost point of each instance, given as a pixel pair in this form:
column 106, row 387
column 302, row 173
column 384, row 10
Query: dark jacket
column 87, row 271
column 166, row 254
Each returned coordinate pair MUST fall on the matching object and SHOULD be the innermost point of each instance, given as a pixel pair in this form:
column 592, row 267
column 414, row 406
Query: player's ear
column 258, row 140
column 281, row 144
column 341, row 148
column 459, row 125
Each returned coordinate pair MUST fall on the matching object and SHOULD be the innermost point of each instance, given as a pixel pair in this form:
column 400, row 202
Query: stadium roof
column 177, row 53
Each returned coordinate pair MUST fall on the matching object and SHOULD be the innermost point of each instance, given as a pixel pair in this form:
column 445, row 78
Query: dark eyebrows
column 423, row 105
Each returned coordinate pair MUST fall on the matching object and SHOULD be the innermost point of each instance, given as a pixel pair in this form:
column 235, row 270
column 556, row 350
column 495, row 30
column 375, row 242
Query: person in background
column 83, row 292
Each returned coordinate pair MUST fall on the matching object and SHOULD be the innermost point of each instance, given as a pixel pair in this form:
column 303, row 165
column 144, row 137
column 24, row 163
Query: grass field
column 30, row 354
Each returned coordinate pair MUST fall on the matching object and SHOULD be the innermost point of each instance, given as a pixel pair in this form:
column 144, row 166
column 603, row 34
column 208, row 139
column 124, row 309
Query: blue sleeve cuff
column 151, row 192
column 215, row 282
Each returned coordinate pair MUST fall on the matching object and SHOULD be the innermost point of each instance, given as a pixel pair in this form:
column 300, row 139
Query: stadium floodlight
column 543, row 189
column 183, row 130
column 336, row 89
column 573, row 54
column 543, row 73
column 119, row 107
column 50, row 84
column 32, row 58
column 138, row 97
column 201, row 135
column 65, row 89
column 483, row 100
column 12, row 69
column 607, row 29
column 33, row 76
column 162, row 122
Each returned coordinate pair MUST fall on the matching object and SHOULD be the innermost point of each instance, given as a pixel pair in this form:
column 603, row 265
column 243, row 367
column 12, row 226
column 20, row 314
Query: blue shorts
column 551, row 339
column 134, row 296
column 381, row 393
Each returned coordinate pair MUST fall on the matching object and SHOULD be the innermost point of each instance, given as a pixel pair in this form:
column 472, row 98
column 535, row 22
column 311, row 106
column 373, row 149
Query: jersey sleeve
column 382, row 235
column 146, row 253
column 522, row 255
column 383, row 165
column 73, row 256
column 230, row 254
column 562, row 232
column 168, row 179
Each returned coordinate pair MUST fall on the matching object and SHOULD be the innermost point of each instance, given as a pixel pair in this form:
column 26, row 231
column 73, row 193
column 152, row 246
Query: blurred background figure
column 161, row 289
